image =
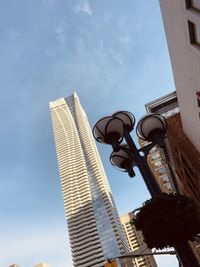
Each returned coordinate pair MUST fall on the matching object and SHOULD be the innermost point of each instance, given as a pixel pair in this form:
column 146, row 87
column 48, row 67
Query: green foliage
column 168, row 219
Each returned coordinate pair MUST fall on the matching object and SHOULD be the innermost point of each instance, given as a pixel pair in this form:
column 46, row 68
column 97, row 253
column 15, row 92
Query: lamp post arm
column 146, row 149
column 135, row 255
column 142, row 164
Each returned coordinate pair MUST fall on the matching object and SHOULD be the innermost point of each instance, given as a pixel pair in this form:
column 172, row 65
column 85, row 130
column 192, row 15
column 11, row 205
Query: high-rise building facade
column 182, row 27
column 136, row 242
column 159, row 167
column 94, row 227
column 160, row 160
column 42, row 264
column 37, row 265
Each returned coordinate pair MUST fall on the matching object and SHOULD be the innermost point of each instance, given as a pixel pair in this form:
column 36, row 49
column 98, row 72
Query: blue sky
column 114, row 54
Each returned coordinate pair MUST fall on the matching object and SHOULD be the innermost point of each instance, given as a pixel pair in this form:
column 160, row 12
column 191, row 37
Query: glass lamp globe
column 152, row 126
column 127, row 118
column 108, row 130
column 122, row 159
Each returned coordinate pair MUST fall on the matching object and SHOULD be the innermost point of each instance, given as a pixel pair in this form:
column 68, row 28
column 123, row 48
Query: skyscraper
column 37, row 265
column 94, row 227
column 41, row 265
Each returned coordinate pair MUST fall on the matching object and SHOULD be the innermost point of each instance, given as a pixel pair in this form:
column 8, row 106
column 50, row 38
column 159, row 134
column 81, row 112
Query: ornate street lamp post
column 115, row 131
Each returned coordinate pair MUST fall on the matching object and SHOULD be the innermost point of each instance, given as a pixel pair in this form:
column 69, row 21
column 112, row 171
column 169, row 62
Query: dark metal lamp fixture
column 115, row 130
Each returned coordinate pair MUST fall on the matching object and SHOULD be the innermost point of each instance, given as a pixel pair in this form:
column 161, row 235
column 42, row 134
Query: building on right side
column 181, row 20
column 161, row 161
column 179, row 160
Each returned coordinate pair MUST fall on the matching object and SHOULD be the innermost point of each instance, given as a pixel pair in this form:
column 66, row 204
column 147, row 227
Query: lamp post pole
column 152, row 128
column 142, row 164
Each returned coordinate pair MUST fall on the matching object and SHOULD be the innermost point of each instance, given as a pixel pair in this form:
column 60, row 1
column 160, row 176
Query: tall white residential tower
column 94, row 227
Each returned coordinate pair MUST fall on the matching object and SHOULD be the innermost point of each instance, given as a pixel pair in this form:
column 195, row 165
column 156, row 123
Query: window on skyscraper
column 165, row 178
column 194, row 32
column 168, row 185
column 194, row 4
column 162, row 170
column 155, row 156
column 158, row 163
column 198, row 98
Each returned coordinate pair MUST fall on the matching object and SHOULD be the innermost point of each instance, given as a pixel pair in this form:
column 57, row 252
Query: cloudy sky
column 114, row 54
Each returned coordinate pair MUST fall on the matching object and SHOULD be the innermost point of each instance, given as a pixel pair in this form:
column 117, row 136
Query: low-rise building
column 136, row 242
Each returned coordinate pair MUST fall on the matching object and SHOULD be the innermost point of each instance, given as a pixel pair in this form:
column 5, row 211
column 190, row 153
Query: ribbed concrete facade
column 37, row 265
column 41, row 265
column 94, row 227
column 136, row 242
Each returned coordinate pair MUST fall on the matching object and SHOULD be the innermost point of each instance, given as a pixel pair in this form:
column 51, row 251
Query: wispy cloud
column 127, row 42
column 50, row 53
column 83, row 7
column 60, row 33
column 139, row 25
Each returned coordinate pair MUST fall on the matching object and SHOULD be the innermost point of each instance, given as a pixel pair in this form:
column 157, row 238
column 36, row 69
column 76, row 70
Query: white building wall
column 185, row 60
